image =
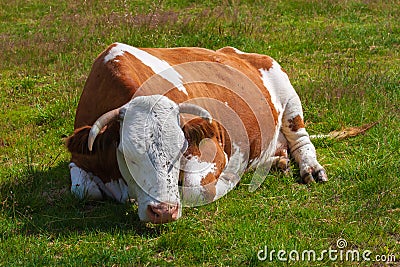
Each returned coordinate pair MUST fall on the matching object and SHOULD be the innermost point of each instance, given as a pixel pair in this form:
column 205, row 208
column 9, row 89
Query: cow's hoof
column 308, row 178
column 321, row 176
column 317, row 176
column 283, row 165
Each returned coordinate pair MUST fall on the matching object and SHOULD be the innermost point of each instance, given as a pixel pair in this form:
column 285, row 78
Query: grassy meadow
column 343, row 58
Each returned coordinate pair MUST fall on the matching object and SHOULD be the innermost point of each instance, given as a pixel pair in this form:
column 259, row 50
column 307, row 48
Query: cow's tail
column 345, row 133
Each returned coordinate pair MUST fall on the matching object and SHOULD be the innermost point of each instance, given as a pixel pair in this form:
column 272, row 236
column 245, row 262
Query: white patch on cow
column 195, row 171
column 82, row 184
column 86, row 185
column 118, row 189
column 278, row 85
column 160, row 67
column 113, row 53
column 280, row 89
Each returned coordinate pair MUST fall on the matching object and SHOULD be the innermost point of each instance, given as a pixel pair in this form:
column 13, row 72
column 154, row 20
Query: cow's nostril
column 162, row 213
column 151, row 212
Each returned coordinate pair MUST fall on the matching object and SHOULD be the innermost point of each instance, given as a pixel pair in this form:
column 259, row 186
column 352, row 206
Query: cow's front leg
column 85, row 185
column 300, row 146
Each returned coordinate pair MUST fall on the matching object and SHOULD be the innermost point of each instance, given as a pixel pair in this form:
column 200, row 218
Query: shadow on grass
column 40, row 202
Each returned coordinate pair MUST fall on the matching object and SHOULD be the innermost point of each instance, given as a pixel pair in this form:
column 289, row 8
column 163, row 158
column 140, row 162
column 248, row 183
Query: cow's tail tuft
column 345, row 133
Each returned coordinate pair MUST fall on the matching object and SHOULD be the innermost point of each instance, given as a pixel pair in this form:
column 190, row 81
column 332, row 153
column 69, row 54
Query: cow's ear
column 107, row 139
column 197, row 129
column 77, row 142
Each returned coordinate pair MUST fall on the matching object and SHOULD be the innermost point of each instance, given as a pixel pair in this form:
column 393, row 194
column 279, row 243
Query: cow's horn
column 195, row 110
column 104, row 119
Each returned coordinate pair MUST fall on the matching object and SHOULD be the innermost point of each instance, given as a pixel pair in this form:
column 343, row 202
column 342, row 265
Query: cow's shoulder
column 258, row 61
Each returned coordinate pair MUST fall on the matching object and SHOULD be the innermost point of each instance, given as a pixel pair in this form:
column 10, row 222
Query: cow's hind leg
column 281, row 158
column 300, row 146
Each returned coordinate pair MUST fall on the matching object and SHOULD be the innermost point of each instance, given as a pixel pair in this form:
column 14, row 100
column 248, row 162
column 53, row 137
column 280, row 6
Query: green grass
column 343, row 59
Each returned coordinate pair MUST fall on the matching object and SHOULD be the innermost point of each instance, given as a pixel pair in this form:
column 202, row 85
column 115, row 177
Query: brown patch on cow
column 296, row 123
column 258, row 61
column 255, row 63
column 133, row 73
column 78, row 141
column 203, row 143
column 198, row 129
column 104, row 90
column 102, row 160
column 208, row 179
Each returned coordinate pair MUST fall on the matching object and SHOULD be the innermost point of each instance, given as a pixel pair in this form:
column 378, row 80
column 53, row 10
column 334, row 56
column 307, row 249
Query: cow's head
column 149, row 153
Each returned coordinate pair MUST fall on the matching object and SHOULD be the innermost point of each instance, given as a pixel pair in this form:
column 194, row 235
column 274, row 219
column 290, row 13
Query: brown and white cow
column 135, row 138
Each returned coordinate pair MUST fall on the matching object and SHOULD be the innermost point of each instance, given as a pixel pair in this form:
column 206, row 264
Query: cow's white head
column 151, row 144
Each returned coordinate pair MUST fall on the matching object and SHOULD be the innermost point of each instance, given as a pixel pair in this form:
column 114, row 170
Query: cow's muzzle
column 162, row 213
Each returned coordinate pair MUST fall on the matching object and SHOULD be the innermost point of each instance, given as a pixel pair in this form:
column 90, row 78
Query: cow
column 170, row 127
